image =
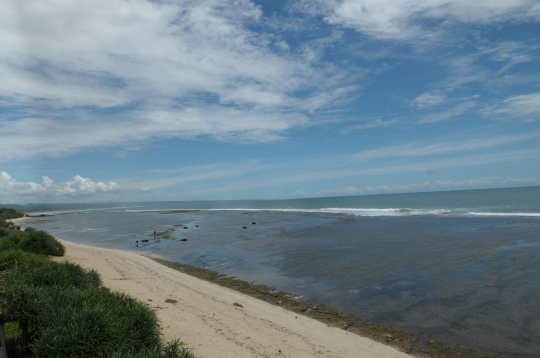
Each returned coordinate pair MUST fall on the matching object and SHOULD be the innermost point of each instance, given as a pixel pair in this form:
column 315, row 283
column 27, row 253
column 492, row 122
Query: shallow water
column 464, row 279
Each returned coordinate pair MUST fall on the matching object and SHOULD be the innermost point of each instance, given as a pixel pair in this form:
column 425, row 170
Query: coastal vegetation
column 60, row 309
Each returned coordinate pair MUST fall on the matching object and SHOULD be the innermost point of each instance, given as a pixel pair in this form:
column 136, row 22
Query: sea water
column 455, row 267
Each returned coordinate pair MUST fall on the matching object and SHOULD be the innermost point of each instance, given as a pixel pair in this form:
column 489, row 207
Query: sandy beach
column 218, row 322
column 18, row 220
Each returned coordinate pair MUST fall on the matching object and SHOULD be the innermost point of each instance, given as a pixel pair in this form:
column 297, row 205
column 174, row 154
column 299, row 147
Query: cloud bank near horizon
column 47, row 189
column 85, row 189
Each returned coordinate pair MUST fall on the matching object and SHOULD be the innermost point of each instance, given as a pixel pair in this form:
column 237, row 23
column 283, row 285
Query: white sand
column 15, row 221
column 206, row 319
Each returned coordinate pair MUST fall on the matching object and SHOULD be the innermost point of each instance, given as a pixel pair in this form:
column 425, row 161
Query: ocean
column 457, row 267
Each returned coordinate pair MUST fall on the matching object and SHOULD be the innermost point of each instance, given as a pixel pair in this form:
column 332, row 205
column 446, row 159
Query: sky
column 136, row 100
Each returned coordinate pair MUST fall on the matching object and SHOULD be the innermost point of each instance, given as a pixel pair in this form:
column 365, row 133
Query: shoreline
column 215, row 321
column 18, row 220
column 389, row 336
column 401, row 340
column 262, row 320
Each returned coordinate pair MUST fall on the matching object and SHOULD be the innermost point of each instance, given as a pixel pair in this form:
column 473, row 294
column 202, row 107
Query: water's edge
column 401, row 340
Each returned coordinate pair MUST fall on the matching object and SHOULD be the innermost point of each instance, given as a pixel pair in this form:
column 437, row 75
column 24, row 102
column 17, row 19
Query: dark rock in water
column 244, row 227
column 185, row 227
column 144, row 240
column 253, row 223
column 196, row 225
column 183, row 239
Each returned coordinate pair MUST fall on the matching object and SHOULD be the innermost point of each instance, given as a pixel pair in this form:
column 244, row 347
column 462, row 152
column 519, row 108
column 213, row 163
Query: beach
column 215, row 321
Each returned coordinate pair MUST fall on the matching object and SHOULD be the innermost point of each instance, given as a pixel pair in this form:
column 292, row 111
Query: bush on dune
column 62, row 274
column 22, row 258
column 8, row 213
column 93, row 322
column 40, row 242
column 31, row 240
column 63, row 311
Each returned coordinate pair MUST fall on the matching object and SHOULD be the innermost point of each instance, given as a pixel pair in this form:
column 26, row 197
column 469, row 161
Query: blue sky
column 116, row 100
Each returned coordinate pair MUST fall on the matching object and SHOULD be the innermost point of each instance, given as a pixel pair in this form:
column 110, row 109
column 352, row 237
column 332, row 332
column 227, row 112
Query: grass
column 34, row 241
column 22, row 258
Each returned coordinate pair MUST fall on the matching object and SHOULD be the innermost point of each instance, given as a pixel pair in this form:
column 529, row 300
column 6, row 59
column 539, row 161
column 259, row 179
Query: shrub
column 94, row 322
column 6, row 213
column 66, row 274
column 7, row 244
column 63, row 274
column 12, row 240
column 31, row 240
column 12, row 329
column 62, row 312
column 23, row 259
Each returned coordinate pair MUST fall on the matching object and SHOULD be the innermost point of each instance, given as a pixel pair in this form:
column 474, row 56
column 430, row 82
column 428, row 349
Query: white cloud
column 47, row 189
column 429, row 99
column 49, row 137
column 405, row 19
column 523, row 107
column 511, row 53
column 110, row 72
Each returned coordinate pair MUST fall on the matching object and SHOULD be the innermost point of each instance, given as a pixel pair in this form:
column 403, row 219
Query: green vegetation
column 62, row 310
column 33, row 241
column 10, row 259
column 6, row 214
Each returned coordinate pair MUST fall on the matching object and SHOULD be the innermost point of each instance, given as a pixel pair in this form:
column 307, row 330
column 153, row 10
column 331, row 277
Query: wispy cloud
column 510, row 53
column 523, row 107
column 377, row 123
column 38, row 137
column 406, row 20
column 113, row 72
column 429, row 99
column 367, row 164
column 454, row 111
column 436, row 185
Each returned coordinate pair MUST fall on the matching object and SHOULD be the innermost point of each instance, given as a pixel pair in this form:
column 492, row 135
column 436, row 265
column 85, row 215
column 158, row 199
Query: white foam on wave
column 355, row 211
column 504, row 214
column 367, row 212
column 372, row 212
column 387, row 212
